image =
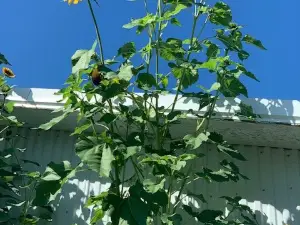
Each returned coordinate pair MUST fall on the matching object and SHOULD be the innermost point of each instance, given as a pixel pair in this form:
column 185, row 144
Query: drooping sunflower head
column 72, row 1
column 8, row 72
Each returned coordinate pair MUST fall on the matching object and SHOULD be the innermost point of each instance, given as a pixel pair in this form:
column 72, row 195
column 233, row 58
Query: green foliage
column 3, row 60
column 17, row 184
column 113, row 136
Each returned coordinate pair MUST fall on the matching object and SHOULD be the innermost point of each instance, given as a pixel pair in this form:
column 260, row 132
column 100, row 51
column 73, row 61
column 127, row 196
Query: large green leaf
column 133, row 212
column 82, row 58
column 127, row 50
column 56, row 120
column 171, row 49
column 195, row 141
column 97, row 216
column 9, row 106
column 107, row 118
column 185, row 72
column 54, row 177
column 106, row 160
column 174, row 10
column 152, row 186
column 56, row 171
column 240, row 69
column 96, row 154
column 251, row 40
column 212, row 50
column 146, row 81
column 221, row 14
column 125, row 72
column 232, row 87
column 141, row 23
column 82, row 128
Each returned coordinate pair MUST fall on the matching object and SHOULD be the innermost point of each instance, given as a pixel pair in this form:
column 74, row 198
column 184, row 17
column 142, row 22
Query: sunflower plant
column 133, row 145
column 18, row 176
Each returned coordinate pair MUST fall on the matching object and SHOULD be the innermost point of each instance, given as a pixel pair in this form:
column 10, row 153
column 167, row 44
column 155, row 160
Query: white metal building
column 271, row 146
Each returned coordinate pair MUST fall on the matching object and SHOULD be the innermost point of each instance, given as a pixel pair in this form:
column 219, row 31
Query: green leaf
column 56, row 120
column 95, row 153
column 174, row 10
column 82, row 58
column 146, row 81
column 214, row 87
column 171, row 49
column 165, row 82
column 127, row 50
column 212, row 51
column 152, row 186
column 231, row 152
column 221, row 14
column 211, row 64
column 97, row 216
column 107, row 118
column 133, row 212
column 82, row 128
column 251, row 40
column 141, row 23
column 106, row 160
column 175, row 21
column 195, row 141
column 55, row 171
column 9, row 106
column 243, row 70
column 232, row 87
column 3, row 60
column 132, row 150
column 54, row 177
column 208, row 216
column 190, row 74
column 125, row 72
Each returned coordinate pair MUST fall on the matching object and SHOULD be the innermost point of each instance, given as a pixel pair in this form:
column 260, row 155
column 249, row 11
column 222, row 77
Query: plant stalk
column 97, row 31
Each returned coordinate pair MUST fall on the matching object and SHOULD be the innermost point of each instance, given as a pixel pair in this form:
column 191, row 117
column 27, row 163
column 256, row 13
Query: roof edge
column 270, row 110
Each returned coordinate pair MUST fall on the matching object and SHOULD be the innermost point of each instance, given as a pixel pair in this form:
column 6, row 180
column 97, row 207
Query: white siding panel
column 272, row 191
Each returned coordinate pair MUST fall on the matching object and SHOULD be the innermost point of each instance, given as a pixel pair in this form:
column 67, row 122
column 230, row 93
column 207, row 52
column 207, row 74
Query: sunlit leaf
column 106, row 160
column 195, row 141
column 82, row 58
column 221, row 14
column 251, row 40
column 56, row 120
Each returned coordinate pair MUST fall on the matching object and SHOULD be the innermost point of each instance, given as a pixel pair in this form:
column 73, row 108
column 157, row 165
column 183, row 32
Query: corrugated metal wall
column 273, row 191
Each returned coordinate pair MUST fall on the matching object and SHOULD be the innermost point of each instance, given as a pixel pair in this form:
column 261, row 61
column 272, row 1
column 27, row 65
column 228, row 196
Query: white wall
column 273, row 191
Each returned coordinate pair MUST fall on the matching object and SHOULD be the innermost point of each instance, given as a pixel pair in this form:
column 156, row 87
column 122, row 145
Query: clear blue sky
column 39, row 37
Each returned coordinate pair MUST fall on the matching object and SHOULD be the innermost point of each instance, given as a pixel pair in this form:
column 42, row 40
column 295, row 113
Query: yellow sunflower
column 8, row 72
column 73, row 1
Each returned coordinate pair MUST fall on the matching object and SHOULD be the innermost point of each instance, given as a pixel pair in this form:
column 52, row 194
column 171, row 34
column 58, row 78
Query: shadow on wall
column 272, row 191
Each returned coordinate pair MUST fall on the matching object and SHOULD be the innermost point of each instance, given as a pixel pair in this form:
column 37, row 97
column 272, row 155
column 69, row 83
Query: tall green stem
column 159, row 12
column 97, row 31
column 188, row 57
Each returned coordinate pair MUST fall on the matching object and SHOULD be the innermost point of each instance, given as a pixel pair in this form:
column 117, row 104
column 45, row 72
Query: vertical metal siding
column 272, row 191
